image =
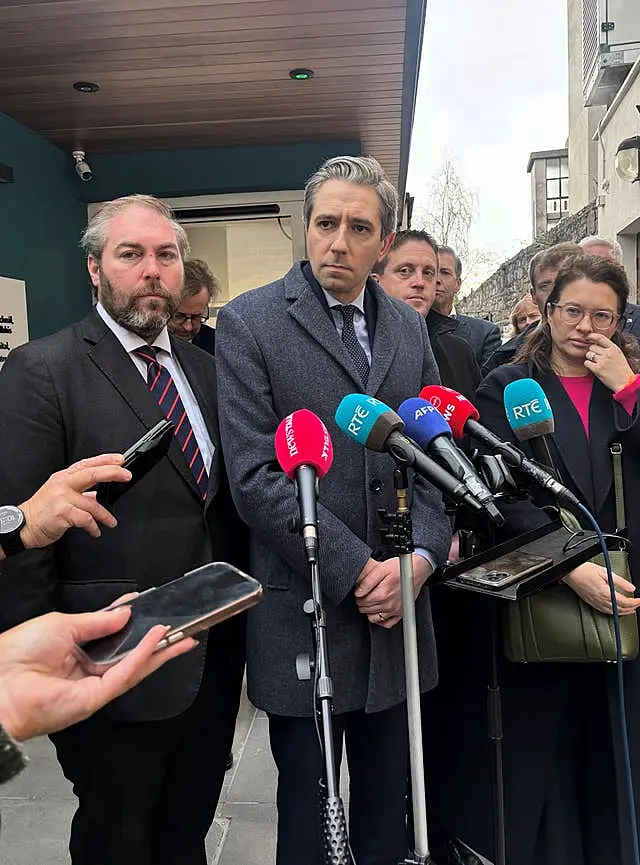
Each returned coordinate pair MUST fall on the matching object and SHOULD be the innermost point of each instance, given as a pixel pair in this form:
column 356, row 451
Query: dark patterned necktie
column 163, row 387
column 352, row 344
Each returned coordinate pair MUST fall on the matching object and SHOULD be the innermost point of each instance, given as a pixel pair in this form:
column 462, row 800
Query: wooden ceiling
column 208, row 73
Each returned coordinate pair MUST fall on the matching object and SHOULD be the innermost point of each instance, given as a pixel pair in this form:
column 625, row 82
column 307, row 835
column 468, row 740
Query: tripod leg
column 494, row 725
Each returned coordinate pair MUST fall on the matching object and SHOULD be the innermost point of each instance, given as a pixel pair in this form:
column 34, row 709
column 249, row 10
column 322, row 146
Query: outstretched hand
column 43, row 685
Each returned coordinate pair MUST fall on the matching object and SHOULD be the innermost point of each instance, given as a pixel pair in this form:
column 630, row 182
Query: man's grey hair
column 364, row 171
column 94, row 238
column 614, row 246
column 456, row 260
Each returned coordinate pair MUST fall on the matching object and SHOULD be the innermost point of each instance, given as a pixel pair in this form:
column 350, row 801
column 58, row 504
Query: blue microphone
column 531, row 418
column 378, row 428
column 528, row 410
column 426, row 426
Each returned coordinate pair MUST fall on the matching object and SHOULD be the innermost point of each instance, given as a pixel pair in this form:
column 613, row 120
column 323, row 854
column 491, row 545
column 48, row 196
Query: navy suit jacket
column 483, row 336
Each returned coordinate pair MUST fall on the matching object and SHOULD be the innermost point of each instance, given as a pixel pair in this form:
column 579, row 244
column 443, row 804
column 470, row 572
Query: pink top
column 579, row 389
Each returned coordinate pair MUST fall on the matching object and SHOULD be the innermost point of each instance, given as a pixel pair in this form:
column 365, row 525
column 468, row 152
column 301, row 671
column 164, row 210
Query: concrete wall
column 583, row 152
column 619, row 215
column 497, row 296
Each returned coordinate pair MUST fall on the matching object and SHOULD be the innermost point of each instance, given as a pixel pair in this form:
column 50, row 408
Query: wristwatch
column 12, row 759
column 11, row 523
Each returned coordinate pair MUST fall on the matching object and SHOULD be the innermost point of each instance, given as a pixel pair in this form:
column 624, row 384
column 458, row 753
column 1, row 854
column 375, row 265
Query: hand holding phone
column 198, row 600
column 140, row 458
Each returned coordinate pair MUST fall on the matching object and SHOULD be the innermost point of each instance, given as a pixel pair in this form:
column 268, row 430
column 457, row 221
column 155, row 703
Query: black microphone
column 462, row 417
column 377, row 427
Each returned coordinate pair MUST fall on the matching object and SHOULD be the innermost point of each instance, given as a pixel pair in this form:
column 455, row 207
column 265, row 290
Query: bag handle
column 618, row 486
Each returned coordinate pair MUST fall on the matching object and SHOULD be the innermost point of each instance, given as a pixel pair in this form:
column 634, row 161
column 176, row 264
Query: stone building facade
column 495, row 297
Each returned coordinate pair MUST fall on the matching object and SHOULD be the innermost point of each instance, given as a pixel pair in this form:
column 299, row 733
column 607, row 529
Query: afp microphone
column 377, row 427
column 462, row 417
column 305, row 453
column 426, row 426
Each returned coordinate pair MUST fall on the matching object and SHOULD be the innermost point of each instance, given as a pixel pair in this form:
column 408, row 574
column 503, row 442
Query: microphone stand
column 333, row 823
column 398, row 533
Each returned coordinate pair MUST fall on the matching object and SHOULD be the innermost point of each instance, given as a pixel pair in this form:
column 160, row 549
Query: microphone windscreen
column 422, row 421
column 455, row 408
column 367, row 420
column 527, row 409
column 303, row 440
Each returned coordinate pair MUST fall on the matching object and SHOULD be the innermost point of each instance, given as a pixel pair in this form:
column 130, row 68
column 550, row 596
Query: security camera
column 83, row 169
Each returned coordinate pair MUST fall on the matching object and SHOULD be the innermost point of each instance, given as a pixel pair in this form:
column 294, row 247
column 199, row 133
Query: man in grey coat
column 305, row 341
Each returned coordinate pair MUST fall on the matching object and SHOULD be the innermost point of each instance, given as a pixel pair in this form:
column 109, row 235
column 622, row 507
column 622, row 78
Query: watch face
column 11, row 519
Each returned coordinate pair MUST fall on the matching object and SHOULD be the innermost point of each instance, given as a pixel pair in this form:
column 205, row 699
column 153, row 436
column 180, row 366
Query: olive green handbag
column 555, row 624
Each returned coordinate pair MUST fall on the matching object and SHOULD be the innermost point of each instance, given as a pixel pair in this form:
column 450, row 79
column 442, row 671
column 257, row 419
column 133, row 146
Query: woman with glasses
column 564, row 774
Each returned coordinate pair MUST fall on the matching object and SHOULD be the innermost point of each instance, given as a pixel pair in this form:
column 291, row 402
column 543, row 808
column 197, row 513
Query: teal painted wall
column 41, row 220
column 43, row 213
column 173, row 173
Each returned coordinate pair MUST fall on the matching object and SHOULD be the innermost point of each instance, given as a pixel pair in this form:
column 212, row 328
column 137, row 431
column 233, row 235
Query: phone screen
column 213, row 588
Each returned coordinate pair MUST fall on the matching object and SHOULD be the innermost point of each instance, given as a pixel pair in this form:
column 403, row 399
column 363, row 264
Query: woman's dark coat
column 536, row 698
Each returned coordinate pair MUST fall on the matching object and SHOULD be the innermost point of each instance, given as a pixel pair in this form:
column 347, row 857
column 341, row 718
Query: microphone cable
column 621, row 691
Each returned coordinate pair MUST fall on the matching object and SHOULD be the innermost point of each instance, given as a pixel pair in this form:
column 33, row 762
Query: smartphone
column 192, row 603
column 140, row 458
column 505, row 570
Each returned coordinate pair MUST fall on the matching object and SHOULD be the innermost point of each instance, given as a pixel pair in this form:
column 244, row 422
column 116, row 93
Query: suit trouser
column 148, row 791
column 377, row 754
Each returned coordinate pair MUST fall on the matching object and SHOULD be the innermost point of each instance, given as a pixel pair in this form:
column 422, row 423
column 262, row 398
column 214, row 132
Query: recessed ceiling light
column 301, row 74
column 86, row 86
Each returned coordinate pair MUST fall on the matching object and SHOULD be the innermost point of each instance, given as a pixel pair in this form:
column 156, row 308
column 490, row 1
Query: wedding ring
column 380, row 616
column 592, row 356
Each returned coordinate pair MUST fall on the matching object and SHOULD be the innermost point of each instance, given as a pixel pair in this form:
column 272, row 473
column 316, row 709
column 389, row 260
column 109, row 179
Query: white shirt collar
column 358, row 302
column 131, row 341
column 453, row 313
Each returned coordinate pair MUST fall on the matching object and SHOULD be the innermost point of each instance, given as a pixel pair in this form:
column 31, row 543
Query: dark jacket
column 483, row 336
column 456, row 359
column 76, row 394
column 206, row 339
column 548, row 709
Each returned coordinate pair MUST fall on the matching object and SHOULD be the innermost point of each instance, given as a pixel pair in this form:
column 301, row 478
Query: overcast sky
column 492, row 88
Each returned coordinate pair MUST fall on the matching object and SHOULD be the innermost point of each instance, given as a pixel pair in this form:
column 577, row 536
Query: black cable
column 621, row 694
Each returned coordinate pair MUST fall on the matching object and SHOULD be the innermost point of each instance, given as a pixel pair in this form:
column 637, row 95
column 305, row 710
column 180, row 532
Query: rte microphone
column 305, row 453
column 377, row 427
column 425, row 425
column 462, row 417
column 531, row 418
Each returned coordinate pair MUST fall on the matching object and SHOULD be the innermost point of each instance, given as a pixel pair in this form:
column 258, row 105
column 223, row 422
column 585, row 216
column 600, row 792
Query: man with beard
column 148, row 769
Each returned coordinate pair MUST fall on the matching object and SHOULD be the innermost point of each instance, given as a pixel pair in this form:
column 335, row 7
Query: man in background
column 600, row 246
column 409, row 272
column 200, row 289
column 543, row 269
column 483, row 336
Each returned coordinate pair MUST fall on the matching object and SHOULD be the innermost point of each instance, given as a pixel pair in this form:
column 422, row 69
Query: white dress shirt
column 130, row 342
column 359, row 320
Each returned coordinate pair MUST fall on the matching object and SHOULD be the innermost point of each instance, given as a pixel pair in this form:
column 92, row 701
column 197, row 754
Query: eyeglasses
column 573, row 313
column 182, row 318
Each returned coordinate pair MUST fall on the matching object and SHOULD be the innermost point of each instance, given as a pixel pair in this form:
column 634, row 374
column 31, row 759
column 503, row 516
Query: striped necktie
column 352, row 343
column 163, row 387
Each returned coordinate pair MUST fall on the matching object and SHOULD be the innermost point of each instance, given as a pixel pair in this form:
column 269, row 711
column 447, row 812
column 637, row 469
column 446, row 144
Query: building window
column 557, row 187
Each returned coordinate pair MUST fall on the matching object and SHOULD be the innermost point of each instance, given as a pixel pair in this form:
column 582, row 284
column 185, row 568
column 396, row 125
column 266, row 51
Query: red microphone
column 305, row 453
column 462, row 417
column 455, row 408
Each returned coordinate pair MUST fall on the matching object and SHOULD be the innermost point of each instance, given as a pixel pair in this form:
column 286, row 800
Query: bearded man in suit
column 148, row 769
